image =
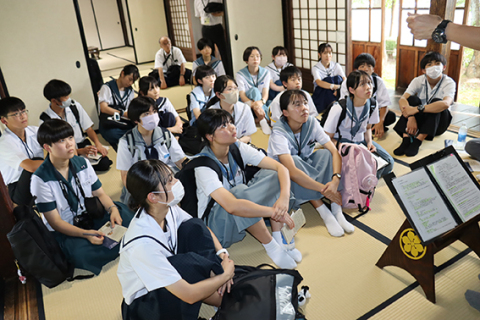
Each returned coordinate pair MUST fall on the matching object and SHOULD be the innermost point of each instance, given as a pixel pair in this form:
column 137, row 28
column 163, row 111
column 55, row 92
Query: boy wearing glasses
column 20, row 153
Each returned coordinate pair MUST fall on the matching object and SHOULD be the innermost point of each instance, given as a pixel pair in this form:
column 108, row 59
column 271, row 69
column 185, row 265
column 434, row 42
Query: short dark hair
column 323, row 46
column 290, row 96
column 432, row 56
column 248, row 52
column 139, row 106
column 131, row 69
column 146, row 83
column 54, row 130
column 279, row 49
column 219, row 86
column 289, row 72
column 364, row 58
column 210, row 120
column 202, row 72
column 10, row 104
column 56, row 89
column 144, row 177
column 354, row 78
column 203, row 42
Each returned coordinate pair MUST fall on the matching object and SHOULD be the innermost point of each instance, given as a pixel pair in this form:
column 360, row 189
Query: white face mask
column 66, row 103
column 281, row 60
column 150, row 122
column 434, row 72
column 178, row 192
column 231, row 98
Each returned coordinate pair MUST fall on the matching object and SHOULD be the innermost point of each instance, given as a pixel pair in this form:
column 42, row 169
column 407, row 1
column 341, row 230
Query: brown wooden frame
column 189, row 53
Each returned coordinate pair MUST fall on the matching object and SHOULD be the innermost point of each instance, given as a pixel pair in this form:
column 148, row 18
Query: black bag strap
column 374, row 78
column 44, row 117
column 150, row 237
column 167, row 139
column 75, row 112
column 237, row 156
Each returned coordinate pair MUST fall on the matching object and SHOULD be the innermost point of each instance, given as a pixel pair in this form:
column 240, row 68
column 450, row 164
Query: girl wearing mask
column 146, row 141
column 226, row 98
column 279, row 62
column 169, row 262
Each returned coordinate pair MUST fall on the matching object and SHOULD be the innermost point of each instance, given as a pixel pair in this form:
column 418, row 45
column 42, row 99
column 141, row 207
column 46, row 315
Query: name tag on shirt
column 206, row 20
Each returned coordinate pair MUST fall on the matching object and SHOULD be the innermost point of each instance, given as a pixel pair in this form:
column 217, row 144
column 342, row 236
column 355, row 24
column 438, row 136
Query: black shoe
column 400, row 151
column 412, row 150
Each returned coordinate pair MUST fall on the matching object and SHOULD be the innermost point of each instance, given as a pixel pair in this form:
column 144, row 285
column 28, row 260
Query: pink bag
column 359, row 170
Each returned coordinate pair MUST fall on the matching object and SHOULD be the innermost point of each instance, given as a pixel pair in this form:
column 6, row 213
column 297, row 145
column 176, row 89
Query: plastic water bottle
column 462, row 137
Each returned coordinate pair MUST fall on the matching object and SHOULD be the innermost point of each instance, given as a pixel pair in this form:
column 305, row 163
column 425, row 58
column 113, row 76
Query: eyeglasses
column 18, row 114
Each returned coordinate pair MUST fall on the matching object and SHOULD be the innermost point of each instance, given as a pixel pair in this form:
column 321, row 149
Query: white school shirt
column 207, row 19
column 274, row 72
column 46, row 187
column 168, row 107
column 143, row 265
column 244, row 86
column 13, row 151
column 319, row 71
column 167, row 155
column 243, row 117
column 219, row 69
column 276, row 112
column 332, row 120
column 418, row 87
column 85, row 120
column 279, row 144
column 175, row 58
column 207, row 179
column 381, row 94
column 105, row 95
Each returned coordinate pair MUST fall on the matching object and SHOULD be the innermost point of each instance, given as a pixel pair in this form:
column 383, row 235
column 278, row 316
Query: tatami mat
column 341, row 273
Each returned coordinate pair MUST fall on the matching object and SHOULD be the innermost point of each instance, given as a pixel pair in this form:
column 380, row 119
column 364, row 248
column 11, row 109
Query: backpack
column 186, row 175
column 36, row 249
column 131, row 140
column 257, row 293
column 44, row 117
column 343, row 114
column 359, row 179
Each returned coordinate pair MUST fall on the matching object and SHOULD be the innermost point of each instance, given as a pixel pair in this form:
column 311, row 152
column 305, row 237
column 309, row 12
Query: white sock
column 278, row 255
column 330, row 222
column 290, row 248
column 337, row 212
column 265, row 127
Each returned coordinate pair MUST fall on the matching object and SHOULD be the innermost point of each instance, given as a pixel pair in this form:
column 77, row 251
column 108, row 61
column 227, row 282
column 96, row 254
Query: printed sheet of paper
column 427, row 210
column 112, row 235
column 299, row 219
column 457, row 185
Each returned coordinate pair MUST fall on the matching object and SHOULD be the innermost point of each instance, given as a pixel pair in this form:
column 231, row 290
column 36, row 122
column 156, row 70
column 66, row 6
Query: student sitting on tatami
column 327, row 78
column 205, row 46
column 63, row 184
column 278, row 64
column 203, row 92
column 169, row 262
column 241, row 207
column 424, row 105
column 314, row 174
column 146, row 141
column 20, row 153
column 114, row 97
column 366, row 62
column 253, row 85
column 226, row 98
column 291, row 78
column 360, row 116
column 169, row 118
column 57, row 92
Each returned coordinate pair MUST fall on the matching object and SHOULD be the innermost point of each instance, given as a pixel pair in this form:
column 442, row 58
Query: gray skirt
column 319, row 167
column 263, row 189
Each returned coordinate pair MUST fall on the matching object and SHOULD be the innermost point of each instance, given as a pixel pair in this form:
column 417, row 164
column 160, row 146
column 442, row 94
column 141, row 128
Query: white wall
column 41, row 41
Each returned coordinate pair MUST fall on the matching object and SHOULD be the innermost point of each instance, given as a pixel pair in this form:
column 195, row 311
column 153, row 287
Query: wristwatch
column 438, row 34
column 421, row 108
column 338, row 175
column 263, row 101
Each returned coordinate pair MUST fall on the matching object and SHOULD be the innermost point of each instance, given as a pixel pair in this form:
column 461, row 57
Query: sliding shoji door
column 178, row 14
column 311, row 22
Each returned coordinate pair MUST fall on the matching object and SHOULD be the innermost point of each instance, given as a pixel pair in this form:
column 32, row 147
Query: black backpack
column 186, row 176
column 256, row 292
column 44, row 117
column 37, row 251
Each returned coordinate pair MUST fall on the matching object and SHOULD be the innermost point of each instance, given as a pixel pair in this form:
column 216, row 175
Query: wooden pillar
column 7, row 267
column 446, row 10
